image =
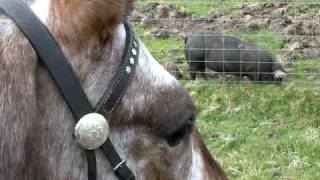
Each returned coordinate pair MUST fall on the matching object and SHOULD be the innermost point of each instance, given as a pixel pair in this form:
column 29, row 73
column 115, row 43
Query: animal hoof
column 91, row 131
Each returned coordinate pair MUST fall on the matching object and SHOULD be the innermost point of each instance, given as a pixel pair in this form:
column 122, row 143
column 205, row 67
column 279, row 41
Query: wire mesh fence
column 241, row 40
column 255, row 131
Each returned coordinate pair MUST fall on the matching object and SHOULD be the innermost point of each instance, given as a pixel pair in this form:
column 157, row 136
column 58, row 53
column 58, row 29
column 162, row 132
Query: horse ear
column 77, row 20
column 278, row 74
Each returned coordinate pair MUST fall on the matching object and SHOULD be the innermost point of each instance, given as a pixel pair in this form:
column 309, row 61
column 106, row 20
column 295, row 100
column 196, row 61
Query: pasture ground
column 256, row 131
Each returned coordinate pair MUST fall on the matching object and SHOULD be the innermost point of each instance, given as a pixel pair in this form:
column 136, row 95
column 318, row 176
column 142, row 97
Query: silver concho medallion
column 91, row 131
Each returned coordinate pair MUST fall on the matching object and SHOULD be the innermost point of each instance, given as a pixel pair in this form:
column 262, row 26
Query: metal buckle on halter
column 119, row 165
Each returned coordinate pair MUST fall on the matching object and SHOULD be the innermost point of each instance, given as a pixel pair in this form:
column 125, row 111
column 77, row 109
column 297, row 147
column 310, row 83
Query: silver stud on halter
column 91, row 131
column 135, row 44
column 131, row 61
column 134, row 52
column 128, row 69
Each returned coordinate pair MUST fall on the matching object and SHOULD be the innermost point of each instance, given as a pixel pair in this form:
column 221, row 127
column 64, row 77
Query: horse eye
column 178, row 136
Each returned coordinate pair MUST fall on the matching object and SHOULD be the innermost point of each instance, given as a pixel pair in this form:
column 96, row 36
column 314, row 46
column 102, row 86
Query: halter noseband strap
column 61, row 71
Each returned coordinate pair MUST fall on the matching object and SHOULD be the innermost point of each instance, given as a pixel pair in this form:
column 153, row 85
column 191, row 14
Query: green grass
column 306, row 70
column 255, row 131
column 260, row 131
column 159, row 47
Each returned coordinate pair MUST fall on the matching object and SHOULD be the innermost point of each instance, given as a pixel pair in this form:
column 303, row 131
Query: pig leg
column 193, row 72
column 195, row 67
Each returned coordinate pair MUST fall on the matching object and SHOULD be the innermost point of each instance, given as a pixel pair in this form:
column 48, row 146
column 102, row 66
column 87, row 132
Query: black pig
column 230, row 55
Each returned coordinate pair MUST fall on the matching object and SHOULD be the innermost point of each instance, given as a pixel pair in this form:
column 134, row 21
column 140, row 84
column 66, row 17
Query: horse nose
column 183, row 119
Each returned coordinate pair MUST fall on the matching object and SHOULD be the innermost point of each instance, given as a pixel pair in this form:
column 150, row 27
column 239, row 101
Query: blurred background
column 255, row 131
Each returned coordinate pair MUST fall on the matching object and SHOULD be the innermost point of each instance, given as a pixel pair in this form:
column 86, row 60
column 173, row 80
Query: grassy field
column 256, row 131
column 261, row 131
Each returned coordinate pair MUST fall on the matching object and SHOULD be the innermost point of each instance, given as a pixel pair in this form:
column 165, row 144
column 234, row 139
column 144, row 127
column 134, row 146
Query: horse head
column 152, row 127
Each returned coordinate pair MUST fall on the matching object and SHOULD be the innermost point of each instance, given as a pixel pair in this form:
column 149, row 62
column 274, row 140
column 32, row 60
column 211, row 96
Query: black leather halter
column 51, row 55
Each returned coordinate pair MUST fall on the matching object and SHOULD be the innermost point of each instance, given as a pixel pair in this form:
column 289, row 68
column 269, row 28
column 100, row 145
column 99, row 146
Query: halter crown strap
column 61, row 71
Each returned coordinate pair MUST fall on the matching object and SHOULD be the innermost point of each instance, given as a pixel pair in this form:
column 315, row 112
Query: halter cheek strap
column 61, row 71
column 113, row 96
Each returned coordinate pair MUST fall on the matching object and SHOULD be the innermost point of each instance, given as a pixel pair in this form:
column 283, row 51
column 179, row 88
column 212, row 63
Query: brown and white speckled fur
column 36, row 125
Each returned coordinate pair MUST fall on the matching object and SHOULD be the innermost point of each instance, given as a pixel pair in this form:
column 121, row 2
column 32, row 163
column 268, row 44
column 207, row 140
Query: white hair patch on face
column 120, row 35
column 197, row 165
column 153, row 70
column 41, row 9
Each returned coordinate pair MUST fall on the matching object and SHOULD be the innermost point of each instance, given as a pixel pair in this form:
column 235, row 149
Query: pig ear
column 278, row 74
